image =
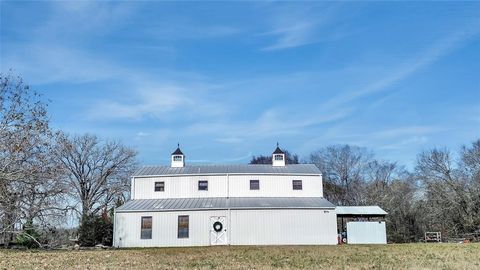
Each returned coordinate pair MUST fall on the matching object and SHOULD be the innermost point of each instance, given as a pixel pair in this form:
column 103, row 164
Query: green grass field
column 401, row 256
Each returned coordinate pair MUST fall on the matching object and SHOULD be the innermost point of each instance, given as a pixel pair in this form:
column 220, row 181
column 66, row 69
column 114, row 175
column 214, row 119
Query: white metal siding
column 164, row 229
column 275, row 186
column 371, row 232
column 283, row 227
column 180, row 187
column 239, row 186
column 244, row 227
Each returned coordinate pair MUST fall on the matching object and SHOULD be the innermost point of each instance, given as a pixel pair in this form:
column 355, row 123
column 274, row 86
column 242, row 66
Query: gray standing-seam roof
column 360, row 211
column 304, row 169
column 191, row 204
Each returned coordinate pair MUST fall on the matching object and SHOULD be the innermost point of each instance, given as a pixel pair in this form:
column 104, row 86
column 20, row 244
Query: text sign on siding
column 368, row 232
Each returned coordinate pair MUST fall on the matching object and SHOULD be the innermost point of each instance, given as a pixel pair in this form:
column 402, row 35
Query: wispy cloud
column 58, row 64
column 152, row 101
column 294, row 27
column 178, row 30
column 408, row 68
column 403, row 143
column 292, row 36
column 271, row 123
column 405, row 131
column 157, row 78
column 160, row 99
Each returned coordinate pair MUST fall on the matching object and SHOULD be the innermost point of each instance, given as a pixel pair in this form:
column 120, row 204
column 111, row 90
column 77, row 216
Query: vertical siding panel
column 275, row 186
column 180, row 187
column 187, row 186
column 164, row 229
column 366, row 232
column 284, row 227
column 247, row 227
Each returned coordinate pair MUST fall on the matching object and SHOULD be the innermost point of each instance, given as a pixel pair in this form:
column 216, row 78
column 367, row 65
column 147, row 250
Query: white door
column 218, row 231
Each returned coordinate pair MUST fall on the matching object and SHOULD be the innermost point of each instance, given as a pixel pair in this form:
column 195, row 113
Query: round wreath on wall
column 217, row 226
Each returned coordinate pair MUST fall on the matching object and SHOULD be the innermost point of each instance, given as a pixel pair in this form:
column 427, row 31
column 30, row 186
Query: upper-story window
column 203, row 185
column 297, row 184
column 177, row 158
column 159, row 186
column 254, row 184
column 278, row 157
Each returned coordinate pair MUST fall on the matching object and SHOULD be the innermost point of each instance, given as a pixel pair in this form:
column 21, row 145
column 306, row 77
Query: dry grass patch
column 406, row 256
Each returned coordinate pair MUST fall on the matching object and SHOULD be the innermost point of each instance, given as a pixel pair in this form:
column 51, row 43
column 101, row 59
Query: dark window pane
column 254, row 184
column 278, row 157
column 146, row 228
column 146, row 234
column 177, row 158
column 182, row 226
column 159, row 186
column 202, row 185
column 297, row 184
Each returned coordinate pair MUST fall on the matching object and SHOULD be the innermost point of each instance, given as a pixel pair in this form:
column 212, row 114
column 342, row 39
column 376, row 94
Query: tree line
column 47, row 175
column 441, row 193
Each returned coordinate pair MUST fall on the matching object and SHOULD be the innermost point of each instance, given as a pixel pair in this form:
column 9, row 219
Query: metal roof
column 178, row 151
column 278, row 150
column 191, row 204
column 360, row 211
column 296, row 169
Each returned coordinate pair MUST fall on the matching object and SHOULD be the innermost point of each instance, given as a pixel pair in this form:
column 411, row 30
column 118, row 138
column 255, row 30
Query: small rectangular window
column 297, row 184
column 159, row 186
column 202, row 185
column 278, row 157
column 146, row 228
column 182, row 226
column 177, row 158
column 254, row 184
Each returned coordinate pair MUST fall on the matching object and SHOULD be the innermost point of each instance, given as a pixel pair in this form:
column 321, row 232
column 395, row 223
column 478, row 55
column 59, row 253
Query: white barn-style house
column 202, row 205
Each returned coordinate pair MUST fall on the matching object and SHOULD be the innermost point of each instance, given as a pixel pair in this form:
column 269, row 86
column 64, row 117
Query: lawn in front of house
column 393, row 256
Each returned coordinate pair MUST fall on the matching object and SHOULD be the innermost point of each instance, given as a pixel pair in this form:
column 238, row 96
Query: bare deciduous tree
column 451, row 188
column 342, row 167
column 30, row 186
column 98, row 171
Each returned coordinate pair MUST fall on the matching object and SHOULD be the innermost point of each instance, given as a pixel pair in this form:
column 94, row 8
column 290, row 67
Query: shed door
column 218, row 231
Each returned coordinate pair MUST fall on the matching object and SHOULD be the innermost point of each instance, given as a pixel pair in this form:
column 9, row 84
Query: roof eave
column 203, row 174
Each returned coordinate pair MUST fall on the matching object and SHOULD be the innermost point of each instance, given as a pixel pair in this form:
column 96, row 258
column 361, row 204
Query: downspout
column 114, row 243
column 132, row 189
column 229, row 210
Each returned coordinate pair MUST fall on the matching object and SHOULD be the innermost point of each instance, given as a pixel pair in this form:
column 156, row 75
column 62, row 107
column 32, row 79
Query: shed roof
column 293, row 169
column 192, row 204
column 356, row 211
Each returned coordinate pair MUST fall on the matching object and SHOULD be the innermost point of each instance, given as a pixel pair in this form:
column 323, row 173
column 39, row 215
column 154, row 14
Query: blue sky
column 229, row 80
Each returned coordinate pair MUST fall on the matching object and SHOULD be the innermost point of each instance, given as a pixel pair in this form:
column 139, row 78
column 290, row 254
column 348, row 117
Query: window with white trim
column 254, row 184
column 278, row 157
column 146, row 228
column 297, row 184
column 159, row 186
column 183, row 226
column 203, row 185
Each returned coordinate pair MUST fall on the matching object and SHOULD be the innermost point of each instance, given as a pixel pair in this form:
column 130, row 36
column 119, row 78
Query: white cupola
column 178, row 158
column 278, row 157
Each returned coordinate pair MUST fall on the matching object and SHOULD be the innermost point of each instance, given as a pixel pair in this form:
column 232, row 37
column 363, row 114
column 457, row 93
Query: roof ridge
column 291, row 169
column 227, row 164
